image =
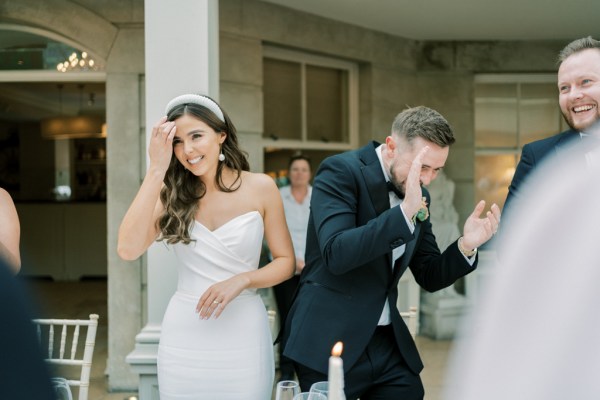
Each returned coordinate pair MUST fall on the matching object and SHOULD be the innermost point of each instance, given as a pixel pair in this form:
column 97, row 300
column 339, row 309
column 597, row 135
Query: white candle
column 336, row 374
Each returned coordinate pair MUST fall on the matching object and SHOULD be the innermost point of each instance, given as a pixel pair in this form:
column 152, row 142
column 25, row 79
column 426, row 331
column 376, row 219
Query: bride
column 199, row 197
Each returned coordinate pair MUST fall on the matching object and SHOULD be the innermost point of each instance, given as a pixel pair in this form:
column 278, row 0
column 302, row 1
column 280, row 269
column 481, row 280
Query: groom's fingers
column 478, row 209
column 418, row 161
column 414, row 174
column 496, row 212
column 494, row 217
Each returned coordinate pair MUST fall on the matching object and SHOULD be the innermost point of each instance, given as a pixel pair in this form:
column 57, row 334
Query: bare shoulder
column 259, row 181
column 261, row 188
column 5, row 197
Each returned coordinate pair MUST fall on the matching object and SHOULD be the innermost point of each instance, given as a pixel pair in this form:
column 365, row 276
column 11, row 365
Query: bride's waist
column 195, row 296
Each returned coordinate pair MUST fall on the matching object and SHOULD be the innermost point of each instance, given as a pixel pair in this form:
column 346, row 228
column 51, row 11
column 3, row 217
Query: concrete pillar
column 123, row 173
column 125, row 167
column 181, row 42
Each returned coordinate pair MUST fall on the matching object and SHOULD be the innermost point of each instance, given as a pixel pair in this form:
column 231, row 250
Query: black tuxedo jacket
column 348, row 277
column 535, row 154
column 24, row 375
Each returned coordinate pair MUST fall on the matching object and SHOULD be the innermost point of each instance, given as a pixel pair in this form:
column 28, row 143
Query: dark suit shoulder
column 543, row 146
column 367, row 153
column 364, row 156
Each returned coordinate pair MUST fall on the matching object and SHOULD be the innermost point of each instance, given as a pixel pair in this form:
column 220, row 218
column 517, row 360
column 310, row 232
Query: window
column 23, row 48
column 510, row 111
column 310, row 106
column 309, row 101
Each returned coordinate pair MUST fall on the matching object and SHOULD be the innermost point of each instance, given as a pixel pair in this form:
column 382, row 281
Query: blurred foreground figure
column 23, row 372
column 535, row 333
column 10, row 232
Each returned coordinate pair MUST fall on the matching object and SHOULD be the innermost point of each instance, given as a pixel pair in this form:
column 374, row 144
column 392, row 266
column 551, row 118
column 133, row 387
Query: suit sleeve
column 434, row 270
column 345, row 241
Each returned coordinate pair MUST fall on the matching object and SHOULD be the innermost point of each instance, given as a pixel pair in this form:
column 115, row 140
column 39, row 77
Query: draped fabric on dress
column 226, row 358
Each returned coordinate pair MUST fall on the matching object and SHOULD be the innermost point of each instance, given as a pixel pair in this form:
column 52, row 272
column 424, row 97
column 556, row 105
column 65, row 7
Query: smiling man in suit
column 361, row 238
column 578, row 97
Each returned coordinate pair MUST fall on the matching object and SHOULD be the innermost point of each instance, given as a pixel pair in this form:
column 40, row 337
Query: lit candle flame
column 337, row 349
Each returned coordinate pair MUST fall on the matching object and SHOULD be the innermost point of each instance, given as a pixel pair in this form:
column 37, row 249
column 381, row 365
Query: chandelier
column 78, row 62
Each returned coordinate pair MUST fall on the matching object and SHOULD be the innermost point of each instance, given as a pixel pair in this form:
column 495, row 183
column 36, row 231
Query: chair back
column 62, row 335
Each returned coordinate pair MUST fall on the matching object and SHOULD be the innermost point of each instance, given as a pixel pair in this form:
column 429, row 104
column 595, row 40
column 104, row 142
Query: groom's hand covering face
column 413, row 194
column 416, row 163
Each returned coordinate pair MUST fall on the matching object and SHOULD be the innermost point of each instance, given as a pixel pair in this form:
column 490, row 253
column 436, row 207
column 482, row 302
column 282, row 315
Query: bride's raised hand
column 160, row 149
column 218, row 296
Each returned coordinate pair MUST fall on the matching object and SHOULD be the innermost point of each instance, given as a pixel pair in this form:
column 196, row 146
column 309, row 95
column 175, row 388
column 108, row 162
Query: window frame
column 305, row 59
column 517, row 79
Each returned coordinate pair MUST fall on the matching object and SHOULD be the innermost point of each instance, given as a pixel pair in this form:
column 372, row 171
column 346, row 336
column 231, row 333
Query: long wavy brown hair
column 183, row 190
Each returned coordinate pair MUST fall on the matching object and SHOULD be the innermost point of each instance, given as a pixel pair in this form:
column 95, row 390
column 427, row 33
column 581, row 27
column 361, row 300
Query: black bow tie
column 392, row 188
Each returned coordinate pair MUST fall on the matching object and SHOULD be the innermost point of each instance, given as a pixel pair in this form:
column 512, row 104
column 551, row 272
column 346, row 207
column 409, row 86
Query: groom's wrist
column 465, row 251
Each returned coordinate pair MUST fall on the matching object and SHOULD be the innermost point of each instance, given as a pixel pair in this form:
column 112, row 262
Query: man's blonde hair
column 576, row 46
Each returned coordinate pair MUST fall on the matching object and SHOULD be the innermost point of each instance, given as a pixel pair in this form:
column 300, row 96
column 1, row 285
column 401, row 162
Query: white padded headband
column 195, row 99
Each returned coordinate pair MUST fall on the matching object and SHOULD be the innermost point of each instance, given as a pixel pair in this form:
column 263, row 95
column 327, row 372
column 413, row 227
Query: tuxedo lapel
column 374, row 179
column 410, row 246
column 376, row 186
column 402, row 262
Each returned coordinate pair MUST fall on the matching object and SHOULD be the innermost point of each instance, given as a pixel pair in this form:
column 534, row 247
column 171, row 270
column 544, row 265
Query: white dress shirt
column 395, row 201
column 296, row 215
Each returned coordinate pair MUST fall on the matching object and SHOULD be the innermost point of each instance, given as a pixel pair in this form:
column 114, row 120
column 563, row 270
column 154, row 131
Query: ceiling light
column 83, row 126
column 78, row 62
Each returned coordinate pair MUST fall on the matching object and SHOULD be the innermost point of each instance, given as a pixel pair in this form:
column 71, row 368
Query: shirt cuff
column 470, row 260
column 409, row 222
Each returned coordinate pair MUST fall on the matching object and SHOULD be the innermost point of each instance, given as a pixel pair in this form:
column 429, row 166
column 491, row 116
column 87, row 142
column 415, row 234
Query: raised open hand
column 413, row 195
column 479, row 230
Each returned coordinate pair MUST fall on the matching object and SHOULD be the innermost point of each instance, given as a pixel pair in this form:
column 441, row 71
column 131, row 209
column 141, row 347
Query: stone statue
column 440, row 311
column 444, row 218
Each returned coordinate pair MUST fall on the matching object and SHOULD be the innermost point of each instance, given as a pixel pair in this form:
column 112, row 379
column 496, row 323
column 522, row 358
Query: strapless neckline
column 249, row 213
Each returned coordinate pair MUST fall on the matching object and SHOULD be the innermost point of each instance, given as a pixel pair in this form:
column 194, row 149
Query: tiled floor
column 79, row 299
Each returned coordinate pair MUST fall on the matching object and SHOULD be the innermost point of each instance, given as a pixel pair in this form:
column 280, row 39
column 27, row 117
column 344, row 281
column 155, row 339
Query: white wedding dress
column 230, row 357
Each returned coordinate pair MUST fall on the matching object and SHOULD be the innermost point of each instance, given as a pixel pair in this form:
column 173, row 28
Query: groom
column 361, row 238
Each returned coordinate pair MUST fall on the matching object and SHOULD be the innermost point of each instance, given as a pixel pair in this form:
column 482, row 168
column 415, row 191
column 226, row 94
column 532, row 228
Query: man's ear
column 390, row 145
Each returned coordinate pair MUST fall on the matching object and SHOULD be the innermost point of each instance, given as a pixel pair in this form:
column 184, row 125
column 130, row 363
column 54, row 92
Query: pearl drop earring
column 221, row 157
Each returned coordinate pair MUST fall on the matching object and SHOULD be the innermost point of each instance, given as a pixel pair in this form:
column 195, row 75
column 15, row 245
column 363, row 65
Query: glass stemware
column 320, row 387
column 287, row 390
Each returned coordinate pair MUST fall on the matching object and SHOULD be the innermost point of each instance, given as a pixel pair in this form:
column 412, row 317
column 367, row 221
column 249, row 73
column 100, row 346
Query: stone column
column 181, row 44
column 125, row 166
